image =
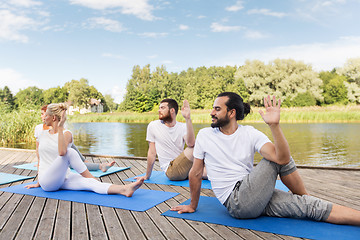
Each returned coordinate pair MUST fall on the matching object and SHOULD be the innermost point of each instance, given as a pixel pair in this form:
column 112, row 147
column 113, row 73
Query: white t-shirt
column 48, row 149
column 228, row 158
column 169, row 141
column 38, row 129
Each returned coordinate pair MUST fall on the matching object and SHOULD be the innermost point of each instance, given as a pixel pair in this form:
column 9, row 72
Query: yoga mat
column 142, row 199
column 9, row 178
column 97, row 173
column 159, row 177
column 210, row 210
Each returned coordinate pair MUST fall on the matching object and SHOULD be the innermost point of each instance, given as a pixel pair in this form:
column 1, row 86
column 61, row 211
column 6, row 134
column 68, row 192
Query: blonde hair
column 56, row 109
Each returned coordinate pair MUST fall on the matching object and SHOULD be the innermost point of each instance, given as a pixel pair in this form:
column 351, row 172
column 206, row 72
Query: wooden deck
column 28, row 217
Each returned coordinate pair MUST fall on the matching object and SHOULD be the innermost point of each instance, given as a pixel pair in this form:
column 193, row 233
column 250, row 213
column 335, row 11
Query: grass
column 288, row 115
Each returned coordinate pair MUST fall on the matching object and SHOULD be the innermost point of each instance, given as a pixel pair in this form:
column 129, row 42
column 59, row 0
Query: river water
column 314, row 144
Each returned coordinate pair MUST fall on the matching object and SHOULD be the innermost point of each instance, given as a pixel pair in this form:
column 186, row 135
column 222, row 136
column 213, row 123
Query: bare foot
column 132, row 187
column 105, row 166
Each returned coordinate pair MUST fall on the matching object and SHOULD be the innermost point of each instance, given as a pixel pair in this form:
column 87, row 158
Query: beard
column 220, row 122
column 165, row 117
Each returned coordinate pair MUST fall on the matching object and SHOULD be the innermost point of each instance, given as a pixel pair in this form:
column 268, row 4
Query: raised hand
column 63, row 119
column 185, row 110
column 272, row 115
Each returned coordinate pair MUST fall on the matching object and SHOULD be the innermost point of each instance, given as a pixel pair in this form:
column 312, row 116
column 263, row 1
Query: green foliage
column 30, row 98
column 6, row 99
column 335, row 90
column 351, row 70
column 283, row 78
column 301, row 100
column 55, row 95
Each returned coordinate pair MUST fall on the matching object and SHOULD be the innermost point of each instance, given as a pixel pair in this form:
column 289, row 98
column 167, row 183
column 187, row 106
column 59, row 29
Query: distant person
column 56, row 155
column 91, row 166
column 167, row 139
column 227, row 149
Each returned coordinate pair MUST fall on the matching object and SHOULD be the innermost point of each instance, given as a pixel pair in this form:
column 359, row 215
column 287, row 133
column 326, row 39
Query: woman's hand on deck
column 183, row 209
column 32, row 185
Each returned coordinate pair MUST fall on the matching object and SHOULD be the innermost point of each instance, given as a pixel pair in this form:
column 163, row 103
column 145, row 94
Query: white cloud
column 254, row 35
column 217, row 27
column 183, row 27
column 11, row 26
column 107, row 24
column 139, row 8
column 201, row 17
column 111, row 55
column 322, row 56
column 236, row 7
column 25, row 3
column 14, row 80
column 152, row 56
column 267, row 12
column 118, row 93
column 167, row 62
column 153, row 35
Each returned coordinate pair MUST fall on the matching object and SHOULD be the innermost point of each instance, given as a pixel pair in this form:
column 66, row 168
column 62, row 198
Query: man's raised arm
column 190, row 135
column 280, row 153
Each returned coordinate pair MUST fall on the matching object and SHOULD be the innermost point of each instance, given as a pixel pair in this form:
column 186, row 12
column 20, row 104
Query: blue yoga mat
column 210, row 210
column 159, row 177
column 97, row 173
column 142, row 199
column 9, row 178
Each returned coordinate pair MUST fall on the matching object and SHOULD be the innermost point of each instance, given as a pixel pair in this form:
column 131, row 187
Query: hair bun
column 63, row 106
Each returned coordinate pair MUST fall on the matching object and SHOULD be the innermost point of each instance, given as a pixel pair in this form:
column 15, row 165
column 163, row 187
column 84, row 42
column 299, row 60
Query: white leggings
column 57, row 177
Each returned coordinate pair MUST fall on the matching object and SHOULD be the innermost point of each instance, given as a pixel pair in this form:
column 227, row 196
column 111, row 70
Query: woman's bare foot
column 126, row 190
column 105, row 166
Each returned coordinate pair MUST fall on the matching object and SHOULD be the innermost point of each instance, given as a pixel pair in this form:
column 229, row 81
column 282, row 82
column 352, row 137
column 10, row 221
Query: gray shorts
column 256, row 195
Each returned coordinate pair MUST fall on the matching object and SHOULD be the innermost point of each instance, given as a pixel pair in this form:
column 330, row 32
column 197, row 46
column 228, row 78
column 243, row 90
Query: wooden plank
column 79, row 227
column 16, row 219
column 96, row 224
column 47, row 221
column 62, row 229
column 32, row 219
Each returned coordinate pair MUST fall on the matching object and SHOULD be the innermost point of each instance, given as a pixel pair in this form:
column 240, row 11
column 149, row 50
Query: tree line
column 295, row 82
column 78, row 92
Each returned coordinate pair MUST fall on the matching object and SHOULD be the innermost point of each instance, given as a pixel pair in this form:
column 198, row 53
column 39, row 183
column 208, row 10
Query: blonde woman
column 56, row 155
column 91, row 166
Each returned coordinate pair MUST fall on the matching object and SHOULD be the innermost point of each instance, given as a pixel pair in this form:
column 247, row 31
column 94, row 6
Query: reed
column 18, row 126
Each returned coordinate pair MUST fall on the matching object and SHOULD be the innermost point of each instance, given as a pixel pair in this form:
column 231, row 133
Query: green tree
column 31, row 97
column 78, row 92
column 334, row 88
column 283, row 78
column 112, row 106
column 55, row 95
column 7, row 99
column 351, row 70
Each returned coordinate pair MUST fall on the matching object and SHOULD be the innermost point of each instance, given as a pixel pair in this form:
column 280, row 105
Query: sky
column 48, row 43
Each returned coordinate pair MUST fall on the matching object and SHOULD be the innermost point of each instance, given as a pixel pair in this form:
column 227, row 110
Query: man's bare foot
column 132, row 187
column 105, row 166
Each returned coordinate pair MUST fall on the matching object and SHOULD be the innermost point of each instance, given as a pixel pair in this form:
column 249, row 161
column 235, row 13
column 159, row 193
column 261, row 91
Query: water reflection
column 318, row 144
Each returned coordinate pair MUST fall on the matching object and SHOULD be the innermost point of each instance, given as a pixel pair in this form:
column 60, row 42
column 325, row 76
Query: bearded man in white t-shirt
column 227, row 149
column 167, row 139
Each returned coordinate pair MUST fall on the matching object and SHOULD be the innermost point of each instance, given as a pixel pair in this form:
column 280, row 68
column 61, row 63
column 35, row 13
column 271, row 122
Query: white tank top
column 48, row 149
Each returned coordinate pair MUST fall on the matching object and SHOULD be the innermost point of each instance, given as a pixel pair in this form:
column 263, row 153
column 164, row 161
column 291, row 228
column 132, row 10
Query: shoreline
column 144, row 159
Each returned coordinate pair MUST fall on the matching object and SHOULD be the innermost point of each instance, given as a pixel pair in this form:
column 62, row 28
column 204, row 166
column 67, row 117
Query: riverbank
column 330, row 114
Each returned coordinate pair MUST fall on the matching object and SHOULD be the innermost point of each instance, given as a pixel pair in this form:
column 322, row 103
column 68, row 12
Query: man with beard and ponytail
column 167, row 139
column 227, row 149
